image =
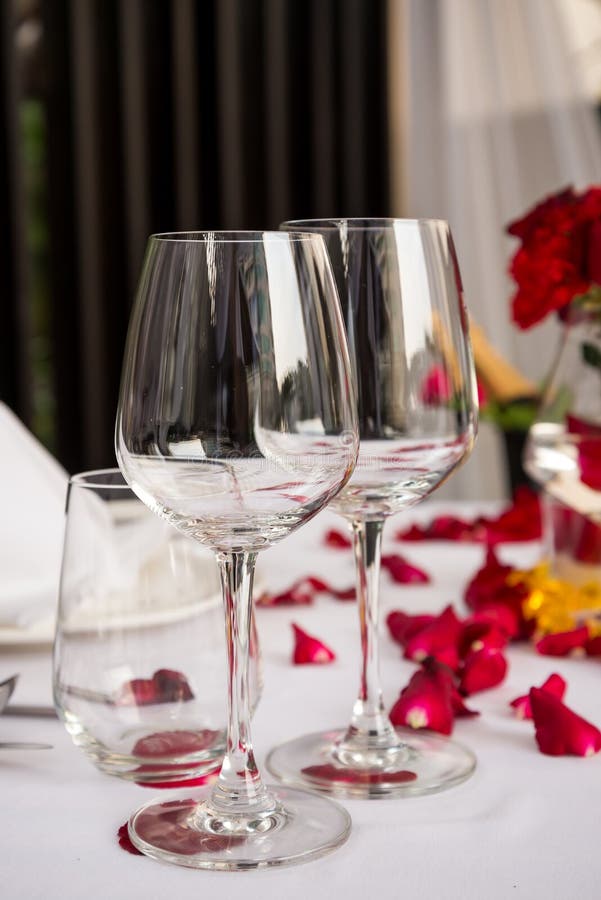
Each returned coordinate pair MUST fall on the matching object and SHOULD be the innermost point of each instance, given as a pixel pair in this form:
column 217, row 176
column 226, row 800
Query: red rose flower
column 560, row 254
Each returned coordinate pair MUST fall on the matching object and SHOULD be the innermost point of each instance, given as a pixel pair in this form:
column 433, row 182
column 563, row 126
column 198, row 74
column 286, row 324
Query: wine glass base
column 306, row 827
column 425, row 763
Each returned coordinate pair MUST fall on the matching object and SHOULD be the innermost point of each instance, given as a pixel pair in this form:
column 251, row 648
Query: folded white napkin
column 33, row 488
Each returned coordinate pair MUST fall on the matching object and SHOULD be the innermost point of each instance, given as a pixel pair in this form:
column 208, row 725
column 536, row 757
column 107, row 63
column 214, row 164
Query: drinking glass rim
column 80, row 479
column 231, row 236
column 357, row 223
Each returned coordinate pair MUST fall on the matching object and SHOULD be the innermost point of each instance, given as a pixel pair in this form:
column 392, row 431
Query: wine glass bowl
column 237, row 424
column 415, row 384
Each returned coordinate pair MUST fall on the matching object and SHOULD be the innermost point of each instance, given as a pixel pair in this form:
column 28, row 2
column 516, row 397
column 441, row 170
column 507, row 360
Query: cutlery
column 6, row 688
column 35, row 712
column 23, row 745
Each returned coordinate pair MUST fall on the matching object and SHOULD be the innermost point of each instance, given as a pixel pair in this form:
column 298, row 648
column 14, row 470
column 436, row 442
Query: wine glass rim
column 233, row 236
column 93, row 479
column 359, row 223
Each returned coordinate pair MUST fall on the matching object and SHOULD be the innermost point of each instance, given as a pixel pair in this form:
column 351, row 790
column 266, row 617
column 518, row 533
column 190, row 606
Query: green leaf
column 591, row 354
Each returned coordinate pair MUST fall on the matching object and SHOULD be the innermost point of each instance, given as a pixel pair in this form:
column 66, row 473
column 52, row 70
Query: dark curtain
column 166, row 115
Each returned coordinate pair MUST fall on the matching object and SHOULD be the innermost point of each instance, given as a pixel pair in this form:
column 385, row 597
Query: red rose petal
column 554, row 684
column 308, row 649
column 438, row 639
column 521, row 521
column 482, row 670
column 165, row 744
column 563, row 643
column 559, row 730
column 172, row 686
column 174, row 743
column 499, row 614
column 402, row 571
column 402, row 626
column 592, row 647
column 424, row 704
column 479, row 634
column 195, row 781
column 445, row 678
column 303, row 592
column 125, row 841
column 338, row 774
column 337, row 539
column 165, row 686
column 488, row 591
column 168, row 823
column 137, row 692
column 460, row 710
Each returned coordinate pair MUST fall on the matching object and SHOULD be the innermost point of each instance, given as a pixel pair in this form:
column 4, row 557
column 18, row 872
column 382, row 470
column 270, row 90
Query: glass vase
column 563, row 450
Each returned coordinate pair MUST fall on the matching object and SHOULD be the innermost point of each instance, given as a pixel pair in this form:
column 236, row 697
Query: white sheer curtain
column 488, row 114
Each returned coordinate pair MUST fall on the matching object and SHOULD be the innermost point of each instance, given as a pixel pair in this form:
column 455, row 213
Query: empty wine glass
column 139, row 653
column 237, row 424
column 407, row 332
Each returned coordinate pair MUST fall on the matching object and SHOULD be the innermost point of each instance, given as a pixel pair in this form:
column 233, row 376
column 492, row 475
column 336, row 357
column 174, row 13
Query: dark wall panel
column 173, row 115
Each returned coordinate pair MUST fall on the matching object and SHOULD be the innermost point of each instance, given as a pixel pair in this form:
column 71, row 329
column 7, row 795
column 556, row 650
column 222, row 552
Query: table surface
column 524, row 825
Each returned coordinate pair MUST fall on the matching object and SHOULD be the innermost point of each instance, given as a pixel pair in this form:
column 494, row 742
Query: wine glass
column 139, row 652
column 237, row 424
column 408, row 340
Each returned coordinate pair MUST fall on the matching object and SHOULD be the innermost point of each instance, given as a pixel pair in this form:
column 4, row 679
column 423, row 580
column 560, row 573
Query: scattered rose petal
column 175, row 744
column 554, row 684
column 402, row 571
column 303, row 593
column 482, row 670
column 165, row 686
column 592, row 647
column 125, row 841
column 460, row 710
column 441, row 528
column 337, row 539
column 163, row 744
column 559, row 730
column 521, row 521
column 445, row 678
column 308, row 649
column 490, row 592
column 172, row 684
column 346, row 775
column 424, row 703
column 501, row 615
column 169, row 824
column 480, row 634
column 563, row 643
column 438, row 639
column 402, row 626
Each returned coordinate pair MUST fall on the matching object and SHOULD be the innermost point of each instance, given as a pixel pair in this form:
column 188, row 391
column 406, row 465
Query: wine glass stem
column 369, row 720
column 239, row 789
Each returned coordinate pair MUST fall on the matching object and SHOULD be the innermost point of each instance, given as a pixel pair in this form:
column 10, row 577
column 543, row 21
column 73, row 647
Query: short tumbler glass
column 139, row 654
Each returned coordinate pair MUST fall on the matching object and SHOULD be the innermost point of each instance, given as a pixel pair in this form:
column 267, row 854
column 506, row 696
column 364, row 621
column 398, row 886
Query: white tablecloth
column 525, row 825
